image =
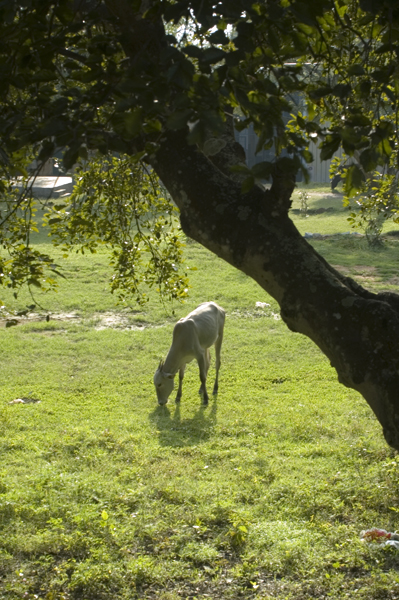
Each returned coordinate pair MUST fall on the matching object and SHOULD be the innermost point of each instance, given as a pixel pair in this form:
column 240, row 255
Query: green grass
column 374, row 268
column 332, row 222
column 106, row 496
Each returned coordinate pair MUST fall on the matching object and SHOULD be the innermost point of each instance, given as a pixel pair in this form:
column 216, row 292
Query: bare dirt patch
column 393, row 281
column 368, row 275
column 113, row 320
column 334, row 196
column 100, row 321
column 361, row 273
column 330, row 195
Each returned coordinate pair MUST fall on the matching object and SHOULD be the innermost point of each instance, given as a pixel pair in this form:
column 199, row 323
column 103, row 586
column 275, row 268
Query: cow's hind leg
column 218, row 346
column 203, row 363
column 181, row 377
column 207, row 364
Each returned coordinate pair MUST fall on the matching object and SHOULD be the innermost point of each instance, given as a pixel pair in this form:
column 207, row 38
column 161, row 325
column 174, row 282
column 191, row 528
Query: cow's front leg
column 181, row 377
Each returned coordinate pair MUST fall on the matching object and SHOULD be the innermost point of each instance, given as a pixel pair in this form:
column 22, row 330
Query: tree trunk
column 356, row 329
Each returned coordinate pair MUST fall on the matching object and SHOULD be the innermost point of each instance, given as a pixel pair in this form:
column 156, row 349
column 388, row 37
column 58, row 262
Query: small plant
column 238, row 531
column 377, row 201
column 373, row 230
column 304, row 198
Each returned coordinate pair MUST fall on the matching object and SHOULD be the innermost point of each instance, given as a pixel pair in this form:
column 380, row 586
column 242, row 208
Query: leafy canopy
column 110, row 76
column 117, row 202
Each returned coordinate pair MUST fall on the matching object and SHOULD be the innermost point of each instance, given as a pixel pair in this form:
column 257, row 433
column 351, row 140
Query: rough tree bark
column 357, row 330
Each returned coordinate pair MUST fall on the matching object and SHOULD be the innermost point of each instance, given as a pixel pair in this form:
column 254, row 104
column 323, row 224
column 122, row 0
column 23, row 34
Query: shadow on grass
column 332, row 200
column 178, row 432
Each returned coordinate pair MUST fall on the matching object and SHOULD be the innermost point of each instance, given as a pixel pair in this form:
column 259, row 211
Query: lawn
column 263, row 494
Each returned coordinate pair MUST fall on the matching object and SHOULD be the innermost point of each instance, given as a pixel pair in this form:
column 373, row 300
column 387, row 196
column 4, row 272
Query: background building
column 318, row 169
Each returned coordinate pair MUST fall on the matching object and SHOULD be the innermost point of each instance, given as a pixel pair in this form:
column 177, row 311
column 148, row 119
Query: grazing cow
column 192, row 337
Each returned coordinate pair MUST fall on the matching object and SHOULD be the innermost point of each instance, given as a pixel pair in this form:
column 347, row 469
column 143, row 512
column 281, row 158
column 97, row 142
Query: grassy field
column 106, row 496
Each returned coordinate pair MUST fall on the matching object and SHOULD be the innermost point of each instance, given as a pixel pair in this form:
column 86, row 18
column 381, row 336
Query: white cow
column 192, row 337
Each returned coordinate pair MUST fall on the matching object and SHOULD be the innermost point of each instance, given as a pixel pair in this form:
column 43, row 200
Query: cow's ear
column 160, row 365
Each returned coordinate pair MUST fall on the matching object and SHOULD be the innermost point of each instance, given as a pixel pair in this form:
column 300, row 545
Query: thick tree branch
column 357, row 330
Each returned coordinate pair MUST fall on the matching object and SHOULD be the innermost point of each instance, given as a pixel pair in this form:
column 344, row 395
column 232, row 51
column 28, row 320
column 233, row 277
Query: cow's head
column 164, row 384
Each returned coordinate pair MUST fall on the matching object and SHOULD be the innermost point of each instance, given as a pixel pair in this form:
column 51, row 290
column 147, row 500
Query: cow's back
column 208, row 320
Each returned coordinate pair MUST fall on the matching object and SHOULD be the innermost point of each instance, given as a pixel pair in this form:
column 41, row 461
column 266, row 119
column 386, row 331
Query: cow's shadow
column 172, row 430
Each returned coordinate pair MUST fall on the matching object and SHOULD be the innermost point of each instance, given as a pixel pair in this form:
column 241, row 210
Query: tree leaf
column 262, row 170
column 369, row 160
column 356, row 69
column 219, row 37
column 133, row 121
column 329, row 146
column 353, row 180
column 247, row 184
column 212, row 55
column 179, row 119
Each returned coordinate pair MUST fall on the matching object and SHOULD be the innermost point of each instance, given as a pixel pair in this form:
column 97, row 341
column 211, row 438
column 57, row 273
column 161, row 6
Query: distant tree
column 161, row 81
